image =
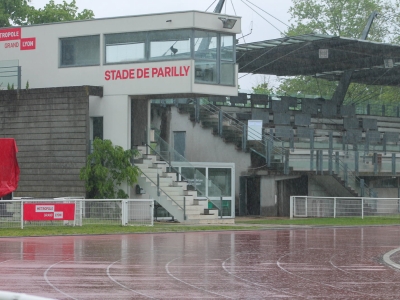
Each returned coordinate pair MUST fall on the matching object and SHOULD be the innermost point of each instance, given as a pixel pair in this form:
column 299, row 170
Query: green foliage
column 346, row 19
column 107, row 168
column 13, row 12
column 19, row 12
column 57, row 13
column 27, row 85
column 263, row 87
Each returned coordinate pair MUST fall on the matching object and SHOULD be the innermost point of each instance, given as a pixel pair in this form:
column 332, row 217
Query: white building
column 132, row 58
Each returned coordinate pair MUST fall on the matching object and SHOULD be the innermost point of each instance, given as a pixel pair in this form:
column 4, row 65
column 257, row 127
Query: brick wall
column 51, row 128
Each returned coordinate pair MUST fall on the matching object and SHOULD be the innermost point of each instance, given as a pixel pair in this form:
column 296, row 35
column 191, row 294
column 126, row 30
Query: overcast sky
column 256, row 18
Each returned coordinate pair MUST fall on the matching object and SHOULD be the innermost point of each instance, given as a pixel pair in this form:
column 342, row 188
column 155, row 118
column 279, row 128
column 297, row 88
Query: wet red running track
column 325, row 263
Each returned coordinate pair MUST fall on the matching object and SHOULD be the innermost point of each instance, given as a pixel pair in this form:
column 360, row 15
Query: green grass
column 112, row 229
column 159, row 227
column 349, row 221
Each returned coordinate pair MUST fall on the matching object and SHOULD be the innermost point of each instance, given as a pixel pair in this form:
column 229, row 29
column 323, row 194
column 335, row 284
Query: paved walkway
column 321, row 263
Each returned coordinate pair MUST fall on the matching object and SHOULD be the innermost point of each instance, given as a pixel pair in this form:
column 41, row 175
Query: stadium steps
column 174, row 195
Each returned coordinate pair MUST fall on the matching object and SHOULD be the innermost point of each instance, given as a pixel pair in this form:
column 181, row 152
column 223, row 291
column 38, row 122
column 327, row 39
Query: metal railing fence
column 122, row 212
column 334, row 207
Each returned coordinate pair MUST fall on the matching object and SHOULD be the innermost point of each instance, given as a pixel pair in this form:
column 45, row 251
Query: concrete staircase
column 173, row 195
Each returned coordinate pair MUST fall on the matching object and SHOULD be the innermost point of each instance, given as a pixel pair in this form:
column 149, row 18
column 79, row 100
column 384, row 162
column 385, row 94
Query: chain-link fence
column 22, row 213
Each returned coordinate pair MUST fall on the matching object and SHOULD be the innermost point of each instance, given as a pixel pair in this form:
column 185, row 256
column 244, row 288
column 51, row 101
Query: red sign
column 10, row 34
column 155, row 72
column 49, row 211
column 28, row 44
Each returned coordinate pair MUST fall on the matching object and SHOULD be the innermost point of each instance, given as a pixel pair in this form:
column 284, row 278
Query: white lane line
column 254, row 283
column 3, row 262
column 279, row 264
column 120, row 284
column 193, row 286
column 386, row 258
column 49, row 283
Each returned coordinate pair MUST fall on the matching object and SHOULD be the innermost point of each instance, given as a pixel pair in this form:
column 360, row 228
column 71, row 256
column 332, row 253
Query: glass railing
column 194, row 177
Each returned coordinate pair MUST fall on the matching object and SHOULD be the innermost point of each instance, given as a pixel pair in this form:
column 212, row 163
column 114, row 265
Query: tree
column 263, row 87
column 57, row 13
column 107, row 168
column 13, row 12
column 345, row 18
column 19, row 12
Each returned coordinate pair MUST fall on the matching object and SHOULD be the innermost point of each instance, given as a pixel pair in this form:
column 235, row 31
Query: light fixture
column 228, row 23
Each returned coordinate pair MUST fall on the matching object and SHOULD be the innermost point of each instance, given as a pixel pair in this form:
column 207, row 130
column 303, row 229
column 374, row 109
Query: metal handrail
column 175, row 170
column 166, row 194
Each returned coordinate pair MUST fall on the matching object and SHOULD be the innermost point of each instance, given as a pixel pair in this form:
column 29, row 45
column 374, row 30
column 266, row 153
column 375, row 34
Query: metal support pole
column 344, row 138
column 158, row 185
column 244, row 138
column 384, row 143
column 362, row 187
column 346, row 179
column 220, row 122
column 221, row 207
column 317, row 162
column 393, row 164
column 368, row 109
column 356, row 159
column 383, row 110
column 375, row 163
column 286, row 170
column 330, row 153
column 337, row 162
column 184, row 208
column 19, row 77
column 311, row 159
column 291, row 140
column 197, row 110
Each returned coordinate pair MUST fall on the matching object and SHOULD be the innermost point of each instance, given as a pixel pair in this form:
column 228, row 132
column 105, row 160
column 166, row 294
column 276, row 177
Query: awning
column 322, row 56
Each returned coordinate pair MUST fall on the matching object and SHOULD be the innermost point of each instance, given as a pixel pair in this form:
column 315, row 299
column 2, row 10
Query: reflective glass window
column 80, row 51
column 221, row 182
column 205, row 45
column 206, row 71
column 171, row 44
column 227, row 49
column 125, row 47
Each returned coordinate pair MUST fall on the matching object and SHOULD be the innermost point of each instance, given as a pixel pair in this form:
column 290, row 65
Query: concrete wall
column 203, row 146
column 50, row 127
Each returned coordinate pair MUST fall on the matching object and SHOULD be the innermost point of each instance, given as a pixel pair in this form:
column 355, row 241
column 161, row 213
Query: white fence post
column 362, row 208
column 22, row 214
column 334, row 207
column 124, row 212
column 306, row 207
column 152, row 212
column 291, row 207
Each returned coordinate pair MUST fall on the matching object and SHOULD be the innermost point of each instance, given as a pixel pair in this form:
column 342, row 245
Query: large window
column 215, row 58
column 80, row 51
column 171, row 44
column 125, row 47
column 227, row 60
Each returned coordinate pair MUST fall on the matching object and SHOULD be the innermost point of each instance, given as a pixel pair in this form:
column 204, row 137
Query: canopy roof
column 373, row 63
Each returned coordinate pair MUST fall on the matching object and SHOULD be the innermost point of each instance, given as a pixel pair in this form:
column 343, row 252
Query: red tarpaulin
column 9, row 169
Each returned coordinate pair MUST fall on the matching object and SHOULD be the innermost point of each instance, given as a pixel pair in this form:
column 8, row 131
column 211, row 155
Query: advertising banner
column 9, row 169
column 49, row 211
